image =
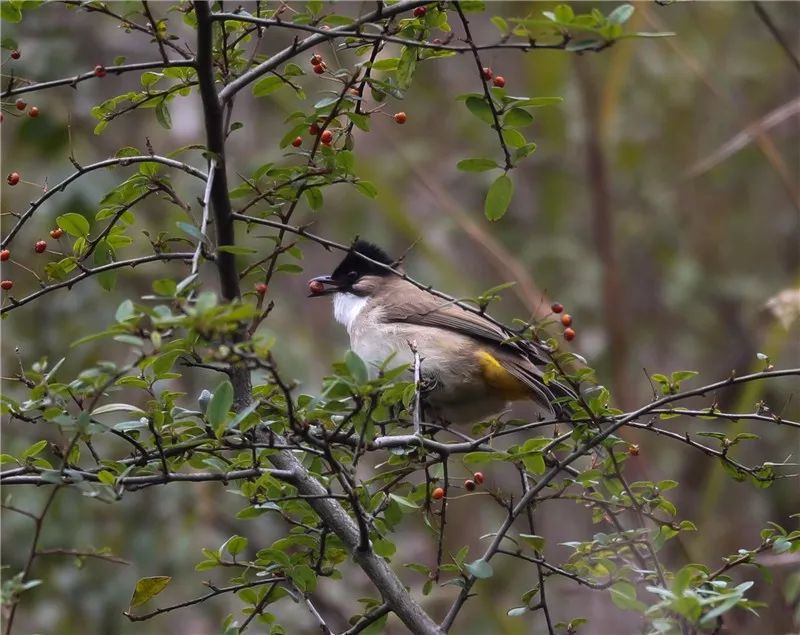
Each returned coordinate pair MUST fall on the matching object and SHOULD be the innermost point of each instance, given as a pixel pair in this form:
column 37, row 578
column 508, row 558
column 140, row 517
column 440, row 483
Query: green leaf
column 537, row 542
column 405, row 502
column 236, row 250
column 10, row 12
column 517, row 118
column 35, row 449
column 103, row 255
column 478, row 107
column 191, row 230
column 74, row 224
column 623, row 594
column 314, row 197
column 476, row 165
column 267, row 85
column 235, row 545
column 356, row 366
column 148, row 588
column 479, row 569
column 406, row 67
column 124, row 311
column 162, row 115
column 498, row 198
column 220, row 404
column 621, row 14
column 387, row 64
column 367, row 189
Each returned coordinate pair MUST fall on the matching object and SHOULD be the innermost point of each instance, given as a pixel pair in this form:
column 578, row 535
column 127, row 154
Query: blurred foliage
column 669, row 249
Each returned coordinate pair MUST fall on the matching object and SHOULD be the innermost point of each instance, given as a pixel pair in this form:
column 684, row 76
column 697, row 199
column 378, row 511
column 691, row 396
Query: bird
column 469, row 369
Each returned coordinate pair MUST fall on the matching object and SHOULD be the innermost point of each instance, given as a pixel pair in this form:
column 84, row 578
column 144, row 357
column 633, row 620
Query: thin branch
column 72, row 81
column 132, row 483
column 123, row 161
column 88, row 273
column 212, row 166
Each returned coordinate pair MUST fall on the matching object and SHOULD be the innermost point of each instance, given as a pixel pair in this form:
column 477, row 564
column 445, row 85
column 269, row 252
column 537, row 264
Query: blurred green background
column 664, row 242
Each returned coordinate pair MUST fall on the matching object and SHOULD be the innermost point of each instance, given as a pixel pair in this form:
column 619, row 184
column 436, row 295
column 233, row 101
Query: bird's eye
column 352, row 276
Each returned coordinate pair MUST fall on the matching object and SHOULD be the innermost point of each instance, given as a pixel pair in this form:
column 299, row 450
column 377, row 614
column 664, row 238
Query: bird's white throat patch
column 346, row 307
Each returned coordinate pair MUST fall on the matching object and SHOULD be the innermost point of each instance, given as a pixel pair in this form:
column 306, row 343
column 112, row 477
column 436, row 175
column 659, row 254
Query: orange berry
column 56, row 233
column 499, row 81
column 478, row 478
column 33, row 112
column 633, row 449
column 400, row 117
column 437, row 494
column 569, row 334
column 566, row 319
column 556, row 307
column 326, row 137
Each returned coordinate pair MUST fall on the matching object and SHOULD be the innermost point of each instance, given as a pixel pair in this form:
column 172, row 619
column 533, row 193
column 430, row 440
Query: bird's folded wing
column 427, row 310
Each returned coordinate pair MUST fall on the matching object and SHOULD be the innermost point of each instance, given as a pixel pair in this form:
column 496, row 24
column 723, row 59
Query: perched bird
column 468, row 369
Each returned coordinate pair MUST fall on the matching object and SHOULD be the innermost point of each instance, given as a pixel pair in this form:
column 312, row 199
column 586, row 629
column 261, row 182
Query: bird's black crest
column 353, row 262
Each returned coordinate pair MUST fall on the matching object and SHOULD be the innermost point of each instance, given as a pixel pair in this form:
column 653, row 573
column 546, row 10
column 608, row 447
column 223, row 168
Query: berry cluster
column 470, row 484
column 566, row 321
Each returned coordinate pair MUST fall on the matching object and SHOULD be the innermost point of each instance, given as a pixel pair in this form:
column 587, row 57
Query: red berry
column 6, row 284
column 315, row 287
column 326, row 137
column 5, row 255
column 569, row 334
column 56, row 233
column 261, row 288
column 499, row 81
column 556, row 307
column 469, row 485
column 419, row 12
column 99, row 71
column 313, row 129
column 478, row 478
column 400, row 117
column 297, row 142
column 316, row 60
column 15, row 54
column 20, row 104
column 487, row 73
column 436, row 494
column 13, row 178
column 320, row 68
column 40, row 246
column 566, row 319
column 33, row 112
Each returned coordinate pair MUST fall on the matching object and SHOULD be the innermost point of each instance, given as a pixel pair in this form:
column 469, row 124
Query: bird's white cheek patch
column 346, row 307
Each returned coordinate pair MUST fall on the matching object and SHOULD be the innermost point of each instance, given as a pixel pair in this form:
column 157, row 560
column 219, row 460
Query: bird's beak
column 317, row 286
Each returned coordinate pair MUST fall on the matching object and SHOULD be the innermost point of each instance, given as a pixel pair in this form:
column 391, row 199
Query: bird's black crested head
column 357, row 263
